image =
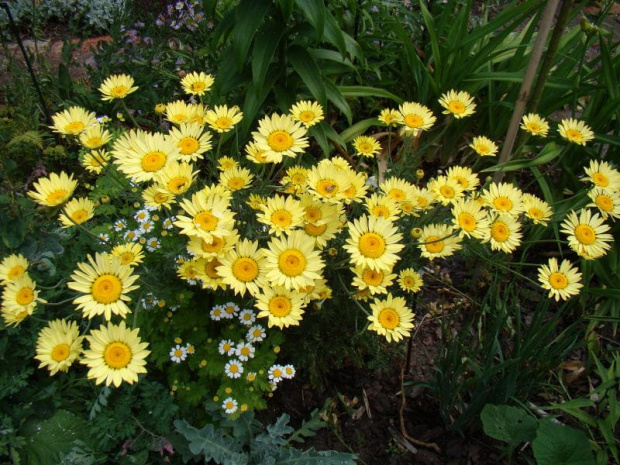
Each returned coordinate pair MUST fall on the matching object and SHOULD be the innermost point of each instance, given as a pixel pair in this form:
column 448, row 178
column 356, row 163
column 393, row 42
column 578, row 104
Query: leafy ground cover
column 274, row 231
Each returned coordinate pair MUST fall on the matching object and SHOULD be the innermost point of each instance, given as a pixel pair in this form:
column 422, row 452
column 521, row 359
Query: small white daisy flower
column 178, row 354
column 229, row 405
column 152, row 244
column 231, row 310
column 146, row 227
column 244, row 351
column 120, row 225
column 288, row 371
column 104, row 238
column 190, row 349
column 247, row 317
column 132, row 235
column 216, row 313
column 276, row 373
column 142, row 216
column 256, row 334
column 168, row 223
column 233, row 369
column 226, row 347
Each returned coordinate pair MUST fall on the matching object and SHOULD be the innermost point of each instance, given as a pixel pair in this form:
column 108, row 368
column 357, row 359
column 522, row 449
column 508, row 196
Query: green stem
column 129, row 115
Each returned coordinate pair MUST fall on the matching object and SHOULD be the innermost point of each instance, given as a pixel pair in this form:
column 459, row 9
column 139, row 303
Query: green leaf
column 212, row 444
column 366, row 91
column 560, row 445
column 509, row 424
column 335, row 96
column 315, row 12
column 265, row 47
column 548, row 153
column 286, row 7
column 333, row 33
column 358, row 128
column 308, row 70
column 248, row 16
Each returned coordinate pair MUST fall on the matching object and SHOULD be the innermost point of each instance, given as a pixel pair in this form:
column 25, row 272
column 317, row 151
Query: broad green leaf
column 365, row 91
column 286, row 6
column 335, row 96
column 264, row 49
column 248, row 16
column 333, row 33
column 429, row 22
column 212, row 444
column 561, row 445
column 315, row 12
column 613, row 293
column 308, row 70
column 331, row 55
column 509, row 424
column 358, row 128
column 548, row 153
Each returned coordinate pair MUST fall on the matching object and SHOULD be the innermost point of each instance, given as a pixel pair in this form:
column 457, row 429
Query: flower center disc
column 106, row 289
column 456, row 107
column 161, row 197
column 535, row 213
column 600, row 179
column 206, row 220
column 434, row 247
column 306, row 116
column 365, row 148
column 57, row 197
column 15, row 272
column 214, row 246
column 558, row 280
column 245, row 269
column 313, row 214
column 223, row 123
column 211, row 269
column 315, row 231
column 24, row 296
column 388, row 318
column 397, row 194
column 280, row 306
column 127, row 258
column 188, row 145
column 371, row 245
column 236, row 183
column 327, row 188
column 60, row 352
column 585, row 234
column 198, row 86
column 153, row 161
column 380, row 211
column 502, row 203
column 372, row 278
column 574, row 135
column 604, row 203
column 500, row 232
column 118, row 91
column 408, row 282
column 446, row 191
column 178, row 185
column 79, row 216
column 282, row 218
column 117, row 355
column 292, row 262
column 280, row 141
column 467, row 221
column 413, row 121
column 75, row 127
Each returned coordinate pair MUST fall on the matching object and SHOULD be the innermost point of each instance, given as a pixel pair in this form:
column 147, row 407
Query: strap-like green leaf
column 315, row 12
column 548, row 153
column 366, row 91
column 333, row 33
column 358, row 128
column 308, row 71
column 264, row 49
column 337, row 98
column 248, row 16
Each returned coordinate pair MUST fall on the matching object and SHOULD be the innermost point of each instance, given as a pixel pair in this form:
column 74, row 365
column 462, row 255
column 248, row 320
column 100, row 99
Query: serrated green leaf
column 212, row 444
column 509, row 424
column 561, row 445
column 308, row 71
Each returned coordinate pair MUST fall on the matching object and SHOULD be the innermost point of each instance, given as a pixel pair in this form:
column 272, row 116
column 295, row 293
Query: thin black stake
column 15, row 31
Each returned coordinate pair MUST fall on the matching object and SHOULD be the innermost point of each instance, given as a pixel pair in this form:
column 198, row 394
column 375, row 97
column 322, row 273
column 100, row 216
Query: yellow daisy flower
column 94, row 137
column 236, row 179
column 19, row 299
column 255, row 154
column 356, row 192
column 282, row 215
column 504, row 233
column 130, row 253
column 410, row 280
column 157, row 197
column 179, row 112
column 176, row 178
column 117, row 86
column 59, row 345
column 535, row 124
column 470, row 219
column 207, row 273
column 446, row 191
column 398, row 189
column 423, row 198
column 607, row 202
column 587, row 234
column 243, row 268
column 575, row 131
column 222, row 118
column 321, row 220
column 307, row 113
column 217, row 247
column 190, row 270
column 602, row 174
column 281, row 306
column 116, row 354
column 484, row 146
column 382, row 206
column 295, row 180
column 104, row 283
column 415, row 118
column 438, row 241
column 389, row 117
column 536, row 209
column 376, row 281
column 209, row 215
column 459, row 104
column 226, row 163
column 13, row 267
column 197, row 83
column 77, row 211
column 73, row 121
column 391, row 318
column 280, row 136
column 366, row 146
column 292, row 261
column 96, row 160
column 153, row 153
column 562, row 281
column 373, row 243
column 503, row 198
column 191, row 140
column 53, row 190
column 464, row 175
column 327, row 183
